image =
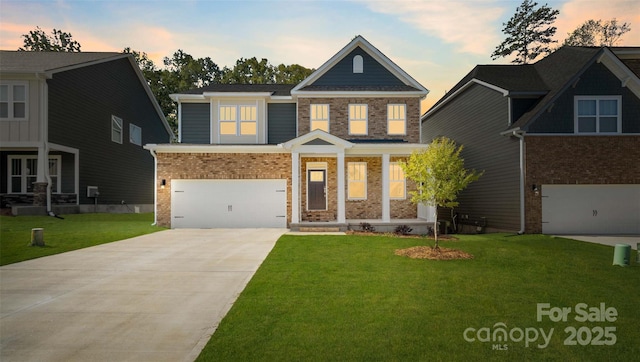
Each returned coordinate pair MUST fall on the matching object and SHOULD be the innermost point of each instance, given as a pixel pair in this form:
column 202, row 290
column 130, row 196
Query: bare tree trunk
column 435, row 229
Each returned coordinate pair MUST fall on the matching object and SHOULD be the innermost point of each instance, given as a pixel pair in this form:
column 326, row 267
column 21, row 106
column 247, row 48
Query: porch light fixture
column 163, row 183
column 535, row 189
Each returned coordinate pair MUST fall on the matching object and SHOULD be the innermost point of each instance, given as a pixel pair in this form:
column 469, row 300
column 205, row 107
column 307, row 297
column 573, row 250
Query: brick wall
column 377, row 117
column 576, row 160
column 218, row 166
column 371, row 208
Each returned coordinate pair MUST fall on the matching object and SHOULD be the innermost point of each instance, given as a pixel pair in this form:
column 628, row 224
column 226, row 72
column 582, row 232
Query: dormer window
column 358, row 67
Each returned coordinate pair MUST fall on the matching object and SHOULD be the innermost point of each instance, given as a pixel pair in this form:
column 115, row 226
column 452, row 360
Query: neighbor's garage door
column 591, row 209
column 228, row 204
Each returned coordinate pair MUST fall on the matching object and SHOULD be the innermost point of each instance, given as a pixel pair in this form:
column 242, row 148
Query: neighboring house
column 322, row 153
column 559, row 141
column 72, row 128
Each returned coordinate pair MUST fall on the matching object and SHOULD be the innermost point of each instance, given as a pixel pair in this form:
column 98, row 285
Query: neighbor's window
column 598, row 114
column 397, row 182
column 116, row 129
column 357, row 180
column 396, row 119
column 239, row 120
column 23, row 172
column 135, row 134
column 320, row 117
column 358, row 119
column 13, row 100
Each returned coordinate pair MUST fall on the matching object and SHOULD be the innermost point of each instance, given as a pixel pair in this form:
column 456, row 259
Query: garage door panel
column 228, row 203
column 591, row 209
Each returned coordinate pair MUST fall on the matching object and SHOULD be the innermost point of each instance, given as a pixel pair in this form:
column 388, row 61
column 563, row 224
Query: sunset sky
column 436, row 42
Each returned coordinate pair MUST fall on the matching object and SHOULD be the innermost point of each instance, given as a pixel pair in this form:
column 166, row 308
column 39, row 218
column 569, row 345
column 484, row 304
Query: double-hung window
column 357, row 180
column 397, row 182
column 598, row 114
column 23, row 173
column 116, row 129
column 397, row 119
column 13, row 100
column 238, row 120
column 320, row 117
column 135, row 134
column 358, row 119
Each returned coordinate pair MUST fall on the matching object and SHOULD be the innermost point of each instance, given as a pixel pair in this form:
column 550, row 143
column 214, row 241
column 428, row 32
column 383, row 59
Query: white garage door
column 228, row 203
column 591, row 209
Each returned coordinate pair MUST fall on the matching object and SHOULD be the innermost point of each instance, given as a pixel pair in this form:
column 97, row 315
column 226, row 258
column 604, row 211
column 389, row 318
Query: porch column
column 386, row 205
column 341, row 196
column 295, row 187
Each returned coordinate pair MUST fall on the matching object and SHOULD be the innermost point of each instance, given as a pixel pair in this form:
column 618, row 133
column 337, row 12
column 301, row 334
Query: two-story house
column 72, row 128
column 323, row 152
column 559, row 141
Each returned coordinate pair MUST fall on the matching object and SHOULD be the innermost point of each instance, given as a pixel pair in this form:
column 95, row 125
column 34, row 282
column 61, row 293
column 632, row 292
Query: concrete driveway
column 157, row 297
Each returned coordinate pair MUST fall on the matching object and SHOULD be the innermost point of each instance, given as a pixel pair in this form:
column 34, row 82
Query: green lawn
column 74, row 232
column 346, row 298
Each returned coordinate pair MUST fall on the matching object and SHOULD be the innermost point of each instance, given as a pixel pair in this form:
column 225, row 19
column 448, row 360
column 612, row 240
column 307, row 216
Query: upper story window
column 23, row 172
column 135, row 134
column 357, row 180
column 397, row 182
column 358, row 119
column 320, row 117
column 397, row 119
column 598, row 114
column 358, row 66
column 238, row 120
column 116, row 129
column 13, row 100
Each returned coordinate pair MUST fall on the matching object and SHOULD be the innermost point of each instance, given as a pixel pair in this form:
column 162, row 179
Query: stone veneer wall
column 575, row 160
column 377, row 122
column 218, row 166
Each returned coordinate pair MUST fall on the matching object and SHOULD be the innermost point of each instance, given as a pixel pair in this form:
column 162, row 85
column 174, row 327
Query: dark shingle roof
column 275, row 89
column 17, row 62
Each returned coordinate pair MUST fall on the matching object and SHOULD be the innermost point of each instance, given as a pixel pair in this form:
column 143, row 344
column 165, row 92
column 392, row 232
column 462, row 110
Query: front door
column 317, row 189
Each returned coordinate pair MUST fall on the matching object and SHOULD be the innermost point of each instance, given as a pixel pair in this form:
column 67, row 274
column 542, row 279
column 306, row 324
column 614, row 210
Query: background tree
column 529, row 33
column 597, row 33
column 439, row 174
column 59, row 41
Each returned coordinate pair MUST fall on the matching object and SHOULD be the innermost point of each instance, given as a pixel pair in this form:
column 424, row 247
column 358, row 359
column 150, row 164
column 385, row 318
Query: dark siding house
column 89, row 115
column 558, row 140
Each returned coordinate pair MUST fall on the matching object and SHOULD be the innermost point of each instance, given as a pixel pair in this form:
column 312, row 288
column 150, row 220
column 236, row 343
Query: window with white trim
column 116, row 129
column 14, row 100
column 358, row 119
column 238, row 120
column 135, row 134
column 357, row 180
column 598, row 114
column 397, row 182
column 397, row 119
column 320, row 117
column 23, row 172
column 358, row 66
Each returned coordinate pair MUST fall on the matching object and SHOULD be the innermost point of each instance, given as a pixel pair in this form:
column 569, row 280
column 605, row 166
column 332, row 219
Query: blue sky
column 436, row 42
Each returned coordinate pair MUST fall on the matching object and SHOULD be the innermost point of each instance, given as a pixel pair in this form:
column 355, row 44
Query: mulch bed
column 428, row 252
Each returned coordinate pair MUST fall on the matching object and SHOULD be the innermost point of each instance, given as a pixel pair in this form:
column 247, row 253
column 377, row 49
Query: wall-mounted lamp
column 163, row 183
column 535, row 189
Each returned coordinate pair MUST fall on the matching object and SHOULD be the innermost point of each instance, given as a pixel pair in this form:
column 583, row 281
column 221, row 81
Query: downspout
column 520, row 136
column 155, row 187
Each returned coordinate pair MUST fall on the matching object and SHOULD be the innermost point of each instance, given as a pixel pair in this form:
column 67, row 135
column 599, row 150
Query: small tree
column 38, row 40
column 528, row 33
column 439, row 174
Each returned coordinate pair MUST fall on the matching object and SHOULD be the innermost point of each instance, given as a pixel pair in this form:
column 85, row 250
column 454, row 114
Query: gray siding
column 597, row 80
column 81, row 102
column 475, row 119
column 281, row 122
column 342, row 74
column 196, row 123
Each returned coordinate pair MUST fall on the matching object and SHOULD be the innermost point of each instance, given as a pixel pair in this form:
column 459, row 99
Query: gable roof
column 49, row 63
column 547, row 78
column 406, row 82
